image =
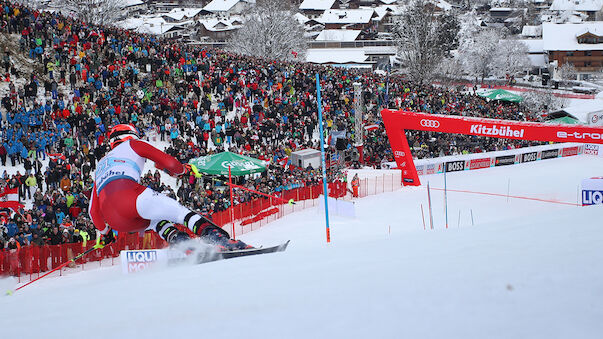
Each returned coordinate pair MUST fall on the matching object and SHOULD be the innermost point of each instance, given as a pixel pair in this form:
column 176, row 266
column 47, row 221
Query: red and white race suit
column 119, row 201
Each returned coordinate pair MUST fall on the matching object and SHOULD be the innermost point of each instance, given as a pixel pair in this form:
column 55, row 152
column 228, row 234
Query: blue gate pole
column 322, row 156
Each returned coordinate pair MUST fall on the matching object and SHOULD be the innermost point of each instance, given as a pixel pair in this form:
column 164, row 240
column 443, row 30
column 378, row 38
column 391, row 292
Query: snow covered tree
column 448, row 37
column 567, row 72
column 478, row 53
column 449, row 71
column 423, row 39
column 511, row 56
column 543, row 101
column 98, row 12
column 270, row 31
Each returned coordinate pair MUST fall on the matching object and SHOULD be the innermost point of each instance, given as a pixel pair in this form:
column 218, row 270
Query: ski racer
column 120, row 203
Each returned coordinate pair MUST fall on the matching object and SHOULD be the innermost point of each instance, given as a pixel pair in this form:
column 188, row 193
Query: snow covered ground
column 520, row 269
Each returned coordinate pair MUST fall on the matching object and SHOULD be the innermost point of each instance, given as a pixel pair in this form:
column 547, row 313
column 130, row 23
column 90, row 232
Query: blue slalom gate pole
column 445, row 196
column 322, row 156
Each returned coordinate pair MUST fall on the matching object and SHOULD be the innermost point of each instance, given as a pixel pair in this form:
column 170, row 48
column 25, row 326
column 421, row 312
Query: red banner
column 479, row 163
column 398, row 121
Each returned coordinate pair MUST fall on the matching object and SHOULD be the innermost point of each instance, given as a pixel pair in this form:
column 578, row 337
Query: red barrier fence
column 30, row 261
column 33, row 260
column 379, row 184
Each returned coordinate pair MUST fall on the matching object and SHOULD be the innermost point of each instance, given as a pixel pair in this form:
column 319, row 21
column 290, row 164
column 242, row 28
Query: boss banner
column 396, row 122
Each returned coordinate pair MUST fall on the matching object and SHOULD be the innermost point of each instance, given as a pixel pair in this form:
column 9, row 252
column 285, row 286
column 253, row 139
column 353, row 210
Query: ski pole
column 79, row 256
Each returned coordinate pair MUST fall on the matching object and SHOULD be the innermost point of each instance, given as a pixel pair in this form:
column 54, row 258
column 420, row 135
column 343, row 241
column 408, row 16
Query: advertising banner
column 455, row 166
column 138, row 260
column 591, row 149
column 529, row 157
column 396, row 122
column 570, row 151
column 420, row 169
column 592, row 191
column 595, row 119
column 549, row 154
column 480, row 163
column 505, row 160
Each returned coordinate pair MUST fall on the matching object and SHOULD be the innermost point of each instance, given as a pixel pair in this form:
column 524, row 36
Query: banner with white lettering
column 592, row 191
column 396, row 122
column 138, row 260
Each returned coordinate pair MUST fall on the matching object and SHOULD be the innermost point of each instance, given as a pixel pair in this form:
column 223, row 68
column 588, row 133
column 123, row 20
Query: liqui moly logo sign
column 135, row 261
column 592, row 191
column 592, row 198
column 496, row 131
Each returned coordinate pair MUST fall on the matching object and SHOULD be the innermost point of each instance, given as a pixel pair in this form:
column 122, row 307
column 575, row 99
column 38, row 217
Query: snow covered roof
column 381, row 11
column 218, row 24
column 302, row 19
column 581, row 110
column 388, row 2
column 148, row 25
column 319, row 5
column 181, row 13
column 131, row 3
column 532, row 31
column 220, row 5
column 534, row 45
column 577, row 5
column 563, row 37
column 537, row 60
column 346, row 16
column 335, row 55
column 338, row 35
column 444, row 5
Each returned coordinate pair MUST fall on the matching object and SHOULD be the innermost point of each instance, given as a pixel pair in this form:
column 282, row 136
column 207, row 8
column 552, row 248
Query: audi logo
column 430, row 123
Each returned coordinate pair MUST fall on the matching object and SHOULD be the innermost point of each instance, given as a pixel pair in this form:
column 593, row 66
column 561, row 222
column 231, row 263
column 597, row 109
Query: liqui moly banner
column 592, row 191
column 396, row 122
column 139, row 260
column 591, row 149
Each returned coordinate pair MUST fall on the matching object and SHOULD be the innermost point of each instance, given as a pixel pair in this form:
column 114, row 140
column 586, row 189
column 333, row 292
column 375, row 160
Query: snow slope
column 520, row 269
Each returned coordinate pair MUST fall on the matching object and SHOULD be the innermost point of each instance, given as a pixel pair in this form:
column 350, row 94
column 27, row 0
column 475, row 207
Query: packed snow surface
column 507, row 268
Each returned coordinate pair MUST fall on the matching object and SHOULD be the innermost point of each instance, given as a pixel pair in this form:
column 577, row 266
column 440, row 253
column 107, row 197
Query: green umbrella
column 500, row 94
column 217, row 164
column 565, row 120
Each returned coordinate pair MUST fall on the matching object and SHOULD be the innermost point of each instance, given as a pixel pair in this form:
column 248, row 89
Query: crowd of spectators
column 195, row 100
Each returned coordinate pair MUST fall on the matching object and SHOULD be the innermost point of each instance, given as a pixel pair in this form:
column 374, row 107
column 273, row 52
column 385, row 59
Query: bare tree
column 270, row 31
column 98, row 12
column 420, row 36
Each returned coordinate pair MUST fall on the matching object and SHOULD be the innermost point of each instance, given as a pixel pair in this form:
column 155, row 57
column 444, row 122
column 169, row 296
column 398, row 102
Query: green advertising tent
column 565, row 120
column 217, row 164
column 500, row 94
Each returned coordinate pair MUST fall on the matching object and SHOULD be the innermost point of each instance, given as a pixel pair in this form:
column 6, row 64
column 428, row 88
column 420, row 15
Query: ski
column 204, row 257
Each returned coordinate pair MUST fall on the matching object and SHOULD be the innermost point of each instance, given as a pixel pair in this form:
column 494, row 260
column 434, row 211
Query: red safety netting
column 28, row 262
column 32, row 260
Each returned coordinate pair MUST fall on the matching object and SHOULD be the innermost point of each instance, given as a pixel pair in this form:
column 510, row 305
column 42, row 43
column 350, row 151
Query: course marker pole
column 325, row 191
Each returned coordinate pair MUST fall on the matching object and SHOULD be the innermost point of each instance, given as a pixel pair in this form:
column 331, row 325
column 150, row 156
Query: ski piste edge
column 205, row 257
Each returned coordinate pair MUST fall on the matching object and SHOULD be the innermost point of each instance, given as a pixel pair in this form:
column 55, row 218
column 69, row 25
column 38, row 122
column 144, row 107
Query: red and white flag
column 9, row 198
column 9, row 194
column 56, row 156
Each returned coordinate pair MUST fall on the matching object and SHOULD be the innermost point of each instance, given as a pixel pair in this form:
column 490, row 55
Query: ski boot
column 170, row 233
column 218, row 237
column 176, row 237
